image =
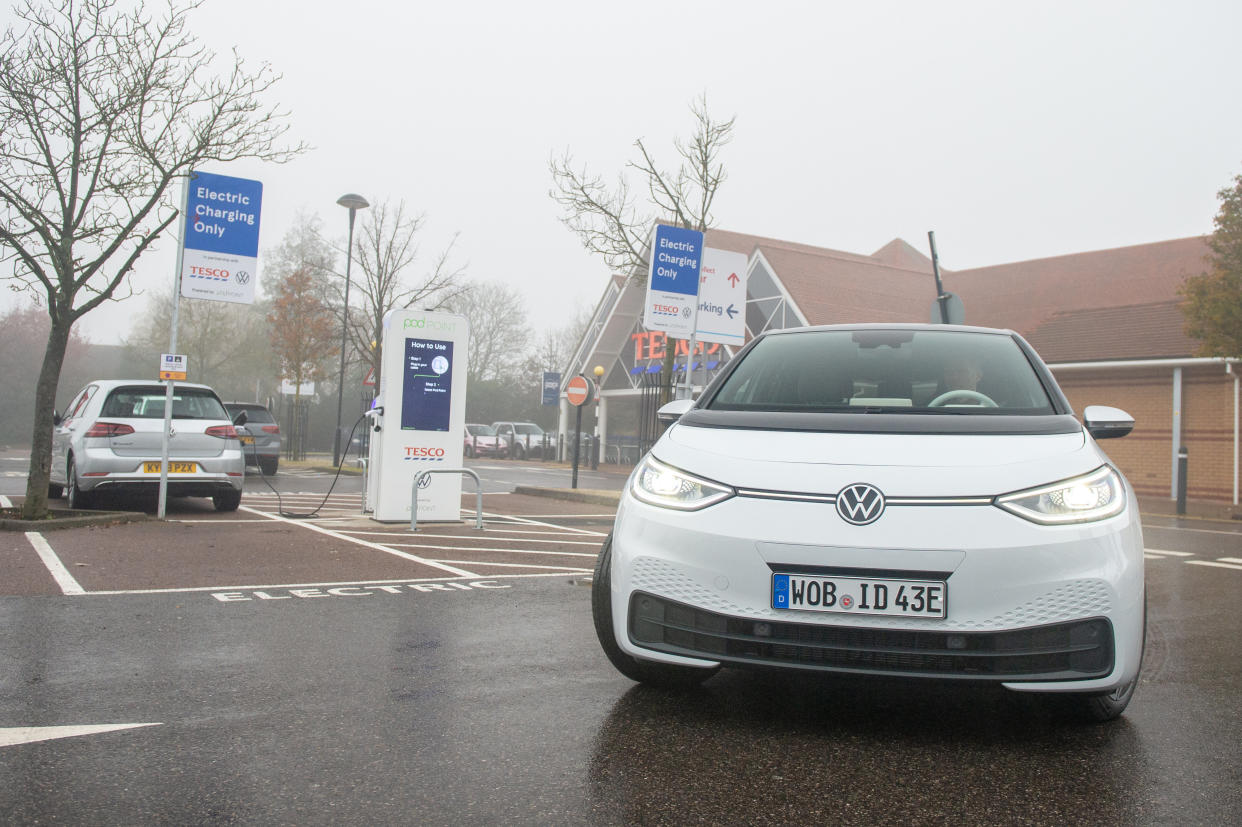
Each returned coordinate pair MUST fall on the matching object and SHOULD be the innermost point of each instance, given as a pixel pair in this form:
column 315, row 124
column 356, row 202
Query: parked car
column 110, row 439
column 259, row 434
column 482, row 441
column 915, row 501
column 524, row 439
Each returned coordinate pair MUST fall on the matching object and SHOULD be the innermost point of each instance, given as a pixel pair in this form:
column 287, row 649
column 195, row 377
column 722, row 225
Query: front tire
column 227, row 500
column 663, row 675
column 1102, row 707
column 78, row 499
column 55, row 491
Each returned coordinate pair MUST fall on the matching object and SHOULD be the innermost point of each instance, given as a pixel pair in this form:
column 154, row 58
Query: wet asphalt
column 490, row 702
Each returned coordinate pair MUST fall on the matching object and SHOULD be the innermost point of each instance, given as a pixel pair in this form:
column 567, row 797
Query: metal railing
column 478, row 490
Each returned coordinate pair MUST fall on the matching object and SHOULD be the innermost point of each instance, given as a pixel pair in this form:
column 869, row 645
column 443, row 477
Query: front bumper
column 1041, row 608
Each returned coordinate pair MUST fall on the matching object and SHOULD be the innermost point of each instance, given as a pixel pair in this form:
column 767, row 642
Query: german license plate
column 173, row 467
column 860, row 595
column 246, row 439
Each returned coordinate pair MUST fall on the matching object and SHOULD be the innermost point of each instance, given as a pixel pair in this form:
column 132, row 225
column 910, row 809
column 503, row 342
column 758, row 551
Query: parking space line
column 1213, row 564
column 570, row 569
column 592, row 543
column 1162, row 553
column 498, row 550
column 525, row 521
column 1237, row 560
column 345, row 537
column 344, row 584
column 56, row 568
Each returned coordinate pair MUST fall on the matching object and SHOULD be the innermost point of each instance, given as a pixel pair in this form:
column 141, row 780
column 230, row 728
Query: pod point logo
column 429, row 324
column 860, row 503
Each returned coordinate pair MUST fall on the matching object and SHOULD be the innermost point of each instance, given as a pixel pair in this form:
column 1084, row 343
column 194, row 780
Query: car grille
column 1075, row 650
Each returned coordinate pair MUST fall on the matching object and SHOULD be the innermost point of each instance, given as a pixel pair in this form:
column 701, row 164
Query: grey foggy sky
column 1015, row 131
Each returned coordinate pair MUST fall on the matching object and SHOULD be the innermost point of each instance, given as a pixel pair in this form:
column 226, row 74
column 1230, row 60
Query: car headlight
column 658, row 484
column 1094, row 496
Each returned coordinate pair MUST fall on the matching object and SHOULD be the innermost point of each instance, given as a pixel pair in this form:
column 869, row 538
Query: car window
column 76, row 407
column 894, row 371
column 254, row 413
column 481, row 430
column 147, row 402
column 534, row 430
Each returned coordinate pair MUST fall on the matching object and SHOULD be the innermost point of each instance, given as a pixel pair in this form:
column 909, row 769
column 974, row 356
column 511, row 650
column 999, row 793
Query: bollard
column 1182, row 455
column 594, row 453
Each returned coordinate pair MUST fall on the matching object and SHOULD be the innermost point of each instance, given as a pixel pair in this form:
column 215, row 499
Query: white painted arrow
column 9, row 736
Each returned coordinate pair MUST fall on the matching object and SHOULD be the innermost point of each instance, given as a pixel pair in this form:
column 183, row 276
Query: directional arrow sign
column 722, row 297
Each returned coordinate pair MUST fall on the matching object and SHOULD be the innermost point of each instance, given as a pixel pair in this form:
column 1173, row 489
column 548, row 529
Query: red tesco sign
column 579, row 390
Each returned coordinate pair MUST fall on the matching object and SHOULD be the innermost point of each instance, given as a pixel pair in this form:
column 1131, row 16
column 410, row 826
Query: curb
column 577, row 495
column 73, row 519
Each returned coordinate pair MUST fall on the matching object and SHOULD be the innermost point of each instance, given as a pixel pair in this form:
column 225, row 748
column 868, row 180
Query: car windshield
column 143, row 402
column 529, row 429
column 481, row 430
column 893, row 371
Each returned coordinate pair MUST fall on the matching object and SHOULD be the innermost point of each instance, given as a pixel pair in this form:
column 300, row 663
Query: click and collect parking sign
column 220, row 259
column 673, row 280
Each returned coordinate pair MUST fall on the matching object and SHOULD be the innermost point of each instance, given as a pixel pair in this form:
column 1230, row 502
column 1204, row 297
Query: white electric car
column 901, row 500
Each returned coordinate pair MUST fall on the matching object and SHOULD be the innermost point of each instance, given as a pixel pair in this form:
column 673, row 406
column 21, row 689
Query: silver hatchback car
column 110, row 438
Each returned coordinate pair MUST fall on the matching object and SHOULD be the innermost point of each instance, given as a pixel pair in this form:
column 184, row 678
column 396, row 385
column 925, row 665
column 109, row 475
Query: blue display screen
column 427, row 386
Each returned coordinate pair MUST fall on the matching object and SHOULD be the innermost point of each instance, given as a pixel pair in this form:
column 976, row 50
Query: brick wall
column 1146, row 455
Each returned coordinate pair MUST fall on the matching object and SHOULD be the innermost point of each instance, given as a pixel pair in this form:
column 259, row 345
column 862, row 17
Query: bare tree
column 386, row 251
column 303, row 329
column 615, row 222
column 498, row 331
column 102, row 108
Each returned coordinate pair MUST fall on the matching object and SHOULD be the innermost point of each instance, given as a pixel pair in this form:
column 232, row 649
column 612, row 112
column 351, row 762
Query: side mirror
column 1103, row 422
column 56, row 420
column 672, row 412
column 240, row 419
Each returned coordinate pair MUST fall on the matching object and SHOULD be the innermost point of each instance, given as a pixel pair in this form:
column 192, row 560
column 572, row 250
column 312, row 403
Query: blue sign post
column 220, row 254
column 551, row 387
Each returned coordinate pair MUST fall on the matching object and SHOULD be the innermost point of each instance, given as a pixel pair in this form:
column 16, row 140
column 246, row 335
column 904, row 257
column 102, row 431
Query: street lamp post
column 353, row 203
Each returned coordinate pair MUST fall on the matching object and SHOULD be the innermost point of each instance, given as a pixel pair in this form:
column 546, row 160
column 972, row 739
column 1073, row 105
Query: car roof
column 245, row 405
column 960, row 328
column 116, row 383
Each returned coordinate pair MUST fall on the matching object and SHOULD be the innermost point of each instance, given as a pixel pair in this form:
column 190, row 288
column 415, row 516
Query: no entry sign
column 579, row 390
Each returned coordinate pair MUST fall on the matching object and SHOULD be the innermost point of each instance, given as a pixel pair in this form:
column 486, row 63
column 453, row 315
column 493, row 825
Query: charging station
column 419, row 416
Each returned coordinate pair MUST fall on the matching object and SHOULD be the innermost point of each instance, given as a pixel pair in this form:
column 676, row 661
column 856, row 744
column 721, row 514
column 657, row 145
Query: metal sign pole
column 942, row 298
column 172, row 347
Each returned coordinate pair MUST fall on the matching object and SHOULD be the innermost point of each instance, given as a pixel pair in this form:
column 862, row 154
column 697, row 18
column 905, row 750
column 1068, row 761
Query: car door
column 71, row 423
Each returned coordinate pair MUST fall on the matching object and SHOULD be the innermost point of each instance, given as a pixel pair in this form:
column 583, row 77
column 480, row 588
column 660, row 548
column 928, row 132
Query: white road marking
column 1162, row 553
column 519, row 566
column 420, row 535
column 525, row 521
column 1216, row 565
column 56, row 568
column 11, row 736
column 345, row 537
column 1195, row 530
column 499, row 550
column 1237, row 560
column 337, row 585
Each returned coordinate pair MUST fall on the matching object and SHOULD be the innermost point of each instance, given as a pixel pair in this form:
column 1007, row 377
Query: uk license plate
column 173, row 467
column 246, row 439
column 860, row 595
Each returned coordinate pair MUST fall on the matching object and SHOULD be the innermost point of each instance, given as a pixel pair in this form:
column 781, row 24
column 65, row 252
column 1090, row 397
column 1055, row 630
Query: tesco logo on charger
column 419, row 452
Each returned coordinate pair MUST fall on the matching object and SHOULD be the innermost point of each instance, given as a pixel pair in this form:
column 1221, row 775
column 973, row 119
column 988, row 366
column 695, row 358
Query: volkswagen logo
column 242, row 277
column 860, row 503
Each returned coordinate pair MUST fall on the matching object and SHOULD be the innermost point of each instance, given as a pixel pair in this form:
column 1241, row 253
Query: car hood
column 913, row 465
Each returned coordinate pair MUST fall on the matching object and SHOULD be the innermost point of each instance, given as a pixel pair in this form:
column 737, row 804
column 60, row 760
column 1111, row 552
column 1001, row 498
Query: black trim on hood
column 883, row 423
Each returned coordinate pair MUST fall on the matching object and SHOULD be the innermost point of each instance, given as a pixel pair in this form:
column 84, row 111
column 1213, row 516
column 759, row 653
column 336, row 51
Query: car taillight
column 222, row 431
column 108, row 429
column 271, row 429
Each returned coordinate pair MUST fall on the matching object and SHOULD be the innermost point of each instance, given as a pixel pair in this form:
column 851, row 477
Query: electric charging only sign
column 427, row 386
column 220, row 255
